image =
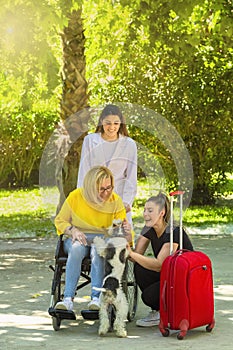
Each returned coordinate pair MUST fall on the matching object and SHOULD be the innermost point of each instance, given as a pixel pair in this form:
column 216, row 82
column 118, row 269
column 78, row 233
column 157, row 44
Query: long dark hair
column 112, row 110
column 163, row 202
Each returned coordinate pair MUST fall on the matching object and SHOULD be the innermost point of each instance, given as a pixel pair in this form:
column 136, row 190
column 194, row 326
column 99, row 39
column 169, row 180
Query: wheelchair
column 129, row 287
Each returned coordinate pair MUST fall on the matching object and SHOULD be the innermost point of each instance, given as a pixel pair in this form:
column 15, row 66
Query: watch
column 69, row 228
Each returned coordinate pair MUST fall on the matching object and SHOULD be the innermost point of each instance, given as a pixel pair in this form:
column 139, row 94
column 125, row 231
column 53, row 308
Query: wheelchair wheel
column 55, row 297
column 56, row 286
column 57, row 292
column 130, row 289
column 56, row 322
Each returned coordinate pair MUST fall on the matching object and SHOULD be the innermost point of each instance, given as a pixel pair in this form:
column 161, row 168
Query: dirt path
column 25, row 296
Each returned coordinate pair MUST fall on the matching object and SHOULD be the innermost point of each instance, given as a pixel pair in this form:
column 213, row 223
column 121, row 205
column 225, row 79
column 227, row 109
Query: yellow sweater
column 87, row 217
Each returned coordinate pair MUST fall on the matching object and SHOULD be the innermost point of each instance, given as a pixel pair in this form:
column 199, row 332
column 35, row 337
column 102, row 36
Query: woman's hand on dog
column 129, row 248
column 127, row 230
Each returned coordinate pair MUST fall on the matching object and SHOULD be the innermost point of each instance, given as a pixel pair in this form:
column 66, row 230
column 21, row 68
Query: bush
column 22, row 141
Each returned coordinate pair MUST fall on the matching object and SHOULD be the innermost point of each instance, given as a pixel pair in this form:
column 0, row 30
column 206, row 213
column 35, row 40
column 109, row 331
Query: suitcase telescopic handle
column 172, row 195
column 176, row 193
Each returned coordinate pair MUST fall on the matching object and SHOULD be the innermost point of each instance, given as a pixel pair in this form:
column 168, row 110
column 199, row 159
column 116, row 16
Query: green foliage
column 196, row 216
column 29, row 56
column 30, row 83
column 175, row 57
column 208, row 215
column 24, row 213
column 227, row 188
column 106, row 25
column 23, row 137
column 29, row 87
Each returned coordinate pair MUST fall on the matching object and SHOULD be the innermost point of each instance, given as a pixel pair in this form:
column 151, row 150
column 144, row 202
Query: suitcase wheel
column 180, row 336
column 165, row 332
column 210, row 326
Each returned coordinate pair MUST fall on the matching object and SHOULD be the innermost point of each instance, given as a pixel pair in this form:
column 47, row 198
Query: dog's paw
column 101, row 334
column 121, row 333
column 102, row 331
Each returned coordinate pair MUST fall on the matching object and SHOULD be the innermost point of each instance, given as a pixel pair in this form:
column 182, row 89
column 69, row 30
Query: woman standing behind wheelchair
column 111, row 146
column 87, row 212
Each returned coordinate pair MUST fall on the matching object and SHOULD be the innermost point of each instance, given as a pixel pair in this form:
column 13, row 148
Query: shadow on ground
column 25, row 297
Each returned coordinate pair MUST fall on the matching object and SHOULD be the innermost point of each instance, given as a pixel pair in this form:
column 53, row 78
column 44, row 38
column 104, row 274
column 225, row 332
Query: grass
column 29, row 213
column 23, row 214
column 198, row 216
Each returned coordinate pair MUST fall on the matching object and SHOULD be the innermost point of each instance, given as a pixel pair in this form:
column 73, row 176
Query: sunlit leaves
column 177, row 60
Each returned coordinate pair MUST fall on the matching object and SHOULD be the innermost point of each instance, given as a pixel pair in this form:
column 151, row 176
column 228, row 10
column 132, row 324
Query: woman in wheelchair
column 87, row 212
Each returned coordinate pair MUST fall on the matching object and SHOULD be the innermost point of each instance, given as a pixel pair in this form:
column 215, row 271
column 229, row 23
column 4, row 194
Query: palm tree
column 74, row 98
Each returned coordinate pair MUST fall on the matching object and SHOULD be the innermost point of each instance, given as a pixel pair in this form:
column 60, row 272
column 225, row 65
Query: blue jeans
column 76, row 253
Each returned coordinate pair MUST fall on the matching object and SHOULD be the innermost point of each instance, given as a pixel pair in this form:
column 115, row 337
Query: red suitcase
column 186, row 288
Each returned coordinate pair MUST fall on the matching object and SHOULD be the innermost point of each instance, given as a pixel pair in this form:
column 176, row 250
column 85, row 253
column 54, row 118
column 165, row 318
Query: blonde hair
column 92, row 183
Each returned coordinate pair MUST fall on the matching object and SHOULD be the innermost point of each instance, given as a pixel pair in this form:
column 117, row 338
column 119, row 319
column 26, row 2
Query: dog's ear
column 116, row 228
column 110, row 251
column 117, row 222
column 123, row 255
column 108, row 268
column 112, row 284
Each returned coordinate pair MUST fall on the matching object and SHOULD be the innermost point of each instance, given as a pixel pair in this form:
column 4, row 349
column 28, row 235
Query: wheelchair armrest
column 60, row 248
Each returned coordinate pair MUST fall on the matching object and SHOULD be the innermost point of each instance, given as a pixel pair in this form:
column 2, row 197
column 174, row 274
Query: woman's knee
column 144, row 277
column 77, row 251
column 151, row 296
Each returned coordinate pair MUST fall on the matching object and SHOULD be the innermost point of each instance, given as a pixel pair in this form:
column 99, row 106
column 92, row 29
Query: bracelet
column 69, row 228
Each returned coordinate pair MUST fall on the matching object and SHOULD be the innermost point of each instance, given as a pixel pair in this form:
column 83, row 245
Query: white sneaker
column 94, row 304
column 152, row 319
column 66, row 304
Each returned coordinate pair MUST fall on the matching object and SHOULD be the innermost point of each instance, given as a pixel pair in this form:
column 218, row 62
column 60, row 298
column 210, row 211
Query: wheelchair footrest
column 90, row 314
column 62, row 314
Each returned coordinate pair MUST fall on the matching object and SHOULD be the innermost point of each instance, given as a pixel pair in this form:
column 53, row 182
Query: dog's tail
column 100, row 289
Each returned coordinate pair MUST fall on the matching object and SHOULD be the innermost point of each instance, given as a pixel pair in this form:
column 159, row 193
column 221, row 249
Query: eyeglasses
column 103, row 189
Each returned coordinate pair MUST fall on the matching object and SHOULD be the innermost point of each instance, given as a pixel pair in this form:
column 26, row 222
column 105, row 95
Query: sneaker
column 152, row 319
column 66, row 304
column 94, row 304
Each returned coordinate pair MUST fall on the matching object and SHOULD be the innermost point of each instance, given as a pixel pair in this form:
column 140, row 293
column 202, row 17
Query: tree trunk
column 74, row 101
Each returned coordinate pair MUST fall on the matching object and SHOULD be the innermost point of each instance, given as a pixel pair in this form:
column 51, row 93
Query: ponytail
column 163, row 202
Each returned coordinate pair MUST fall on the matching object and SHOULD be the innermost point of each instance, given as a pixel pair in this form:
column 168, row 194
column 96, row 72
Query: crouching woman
column 147, row 269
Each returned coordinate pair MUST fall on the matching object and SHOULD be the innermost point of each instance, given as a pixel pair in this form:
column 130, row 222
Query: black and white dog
column 114, row 251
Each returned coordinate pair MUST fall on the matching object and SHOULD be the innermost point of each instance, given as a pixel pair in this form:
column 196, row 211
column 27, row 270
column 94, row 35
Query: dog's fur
column 116, row 229
column 115, row 253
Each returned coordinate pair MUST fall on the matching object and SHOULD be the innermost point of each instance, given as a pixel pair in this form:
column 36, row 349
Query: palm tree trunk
column 74, row 100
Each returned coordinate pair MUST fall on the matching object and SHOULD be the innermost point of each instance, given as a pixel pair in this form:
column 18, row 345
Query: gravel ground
column 25, row 297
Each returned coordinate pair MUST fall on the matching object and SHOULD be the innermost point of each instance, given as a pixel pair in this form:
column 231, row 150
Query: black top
column 158, row 242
